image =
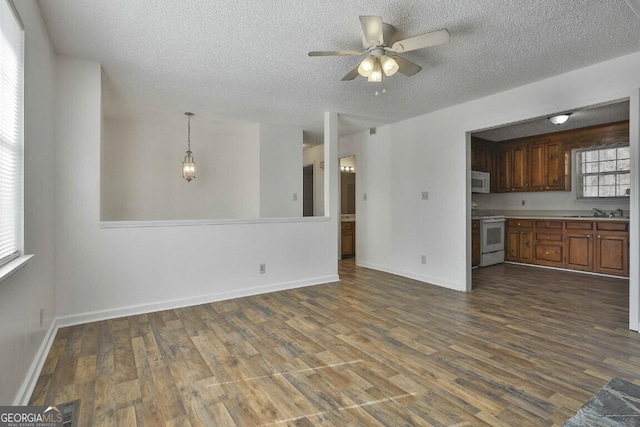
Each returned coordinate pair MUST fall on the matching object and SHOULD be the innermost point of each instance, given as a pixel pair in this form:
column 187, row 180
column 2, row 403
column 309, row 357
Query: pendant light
column 189, row 165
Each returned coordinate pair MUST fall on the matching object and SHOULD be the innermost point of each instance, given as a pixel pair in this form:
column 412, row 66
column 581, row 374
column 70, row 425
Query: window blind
column 11, row 132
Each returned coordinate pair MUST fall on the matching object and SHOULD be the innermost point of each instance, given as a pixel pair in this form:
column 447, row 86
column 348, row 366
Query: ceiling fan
column 376, row 39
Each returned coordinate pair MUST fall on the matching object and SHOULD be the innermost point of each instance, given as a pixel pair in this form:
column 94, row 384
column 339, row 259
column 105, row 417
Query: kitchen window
column 11, row 132
column 604, row 172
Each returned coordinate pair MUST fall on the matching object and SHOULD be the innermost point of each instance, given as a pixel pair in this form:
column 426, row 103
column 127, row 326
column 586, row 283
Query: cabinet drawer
column 551, row 237
column 612, row 226
column 579, row 225
column 520, row 223
column 347, row 226
column 549, row 253
column 549, row 225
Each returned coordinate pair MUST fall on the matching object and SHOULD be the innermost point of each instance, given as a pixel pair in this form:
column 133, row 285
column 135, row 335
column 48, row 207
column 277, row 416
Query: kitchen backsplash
column 543, row 201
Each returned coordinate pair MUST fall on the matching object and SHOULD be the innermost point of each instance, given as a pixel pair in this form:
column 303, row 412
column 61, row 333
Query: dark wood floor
column 527, row 347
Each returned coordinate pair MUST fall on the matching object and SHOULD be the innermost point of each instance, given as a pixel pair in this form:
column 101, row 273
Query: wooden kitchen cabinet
column 579, row 245
column 348, row 239
column 549, row 243
column 519, row 241
column 596, row 246
column 476, row 244
column 504, row 177
column 511, row 169
column 611, row 254
column 546, row 166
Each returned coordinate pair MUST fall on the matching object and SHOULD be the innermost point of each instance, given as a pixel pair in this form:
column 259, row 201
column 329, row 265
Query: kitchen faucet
column 598, row 212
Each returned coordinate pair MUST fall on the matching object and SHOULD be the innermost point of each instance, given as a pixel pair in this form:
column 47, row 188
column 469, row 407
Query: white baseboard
column 29, row 383
column 94, row 316
column 410, row 275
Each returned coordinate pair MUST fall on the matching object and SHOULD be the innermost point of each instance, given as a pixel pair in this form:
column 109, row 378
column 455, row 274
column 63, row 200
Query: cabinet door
column 503, row 171
column 475, row 247
column 612, row 254
column 526, row 246
column 579, row 247
column 537, row 167
column 554, row 166
column 512, row 252
column 520, row 180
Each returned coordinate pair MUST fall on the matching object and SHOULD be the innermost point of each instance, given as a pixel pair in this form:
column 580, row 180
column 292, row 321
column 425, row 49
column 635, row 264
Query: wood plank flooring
column 527, row 347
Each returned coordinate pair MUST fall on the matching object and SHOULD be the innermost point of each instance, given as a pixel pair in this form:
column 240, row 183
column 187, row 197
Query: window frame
column 579, row 173
column 9, row 261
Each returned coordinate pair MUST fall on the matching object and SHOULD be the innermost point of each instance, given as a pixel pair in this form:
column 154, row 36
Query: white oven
column 492, row 236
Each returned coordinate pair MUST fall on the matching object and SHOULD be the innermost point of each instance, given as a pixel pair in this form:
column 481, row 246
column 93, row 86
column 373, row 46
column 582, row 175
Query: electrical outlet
column 263, row 268
column 41, row 316
column 423, row 259
column 523, row 202
column 425, row 195
column 295, row 197
column 364, row 197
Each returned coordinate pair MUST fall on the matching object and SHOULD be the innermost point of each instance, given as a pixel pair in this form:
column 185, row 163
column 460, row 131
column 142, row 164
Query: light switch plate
column 425, row 195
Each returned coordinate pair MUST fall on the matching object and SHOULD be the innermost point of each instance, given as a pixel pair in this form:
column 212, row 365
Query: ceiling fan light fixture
column 376, row 73
column 389, row 65
column 366, row 66
column 559, row 119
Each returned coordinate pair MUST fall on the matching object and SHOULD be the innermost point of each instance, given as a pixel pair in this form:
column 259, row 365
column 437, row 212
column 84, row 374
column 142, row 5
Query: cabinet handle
column 547, row 252
column 518, row 223
column 588, row 235
column 598, row 237
column 548, row 237
column 547, row 188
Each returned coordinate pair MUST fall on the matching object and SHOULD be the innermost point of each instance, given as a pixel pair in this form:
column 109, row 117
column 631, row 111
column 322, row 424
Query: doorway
column 307, row 190
column 348, row 206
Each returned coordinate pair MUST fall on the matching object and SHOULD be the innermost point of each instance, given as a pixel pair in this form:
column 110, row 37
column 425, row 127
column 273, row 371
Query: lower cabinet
column 597, row 246
column 348, row 239
column 612, row 248
column 475, row 242
column 579, row 245
column 519, row 241
column 549, row 243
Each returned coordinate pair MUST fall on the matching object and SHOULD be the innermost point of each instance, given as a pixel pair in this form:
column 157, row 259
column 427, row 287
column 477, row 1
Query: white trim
column 94, row 316
column 10, row 268
column 426, row 279
column 29, row 383
column 204, row 222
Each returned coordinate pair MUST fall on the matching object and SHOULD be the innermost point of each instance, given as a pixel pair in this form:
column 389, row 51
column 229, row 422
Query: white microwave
column 480, row 182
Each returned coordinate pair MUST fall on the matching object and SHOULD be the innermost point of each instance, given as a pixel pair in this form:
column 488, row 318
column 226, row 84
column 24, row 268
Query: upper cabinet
column 539, row 163
column 547, row 165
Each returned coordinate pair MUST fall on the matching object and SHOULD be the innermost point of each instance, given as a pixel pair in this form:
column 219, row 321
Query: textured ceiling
column 592, row 116
column 247, row 60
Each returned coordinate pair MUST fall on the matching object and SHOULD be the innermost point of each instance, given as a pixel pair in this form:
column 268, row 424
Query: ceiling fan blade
column 351, row 74
column 335, row 53
column 372, row 30
column 433, row 38
column 407, row 68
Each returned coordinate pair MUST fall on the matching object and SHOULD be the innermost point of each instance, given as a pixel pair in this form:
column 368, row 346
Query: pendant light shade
column 376, row 72
column 189, row 164
column 389, row 65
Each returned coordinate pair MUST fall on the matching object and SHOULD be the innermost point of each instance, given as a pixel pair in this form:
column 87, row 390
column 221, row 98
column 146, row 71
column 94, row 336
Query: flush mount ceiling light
column 559, row 119
column 189, row 165
column 376, row 40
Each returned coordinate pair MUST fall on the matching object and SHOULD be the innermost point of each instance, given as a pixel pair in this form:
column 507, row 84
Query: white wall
column 280, row 171
column 142, row 175
column 32, row 288
column 315, row 156
column 106, row 272
column 545, row 201
column 430, row 153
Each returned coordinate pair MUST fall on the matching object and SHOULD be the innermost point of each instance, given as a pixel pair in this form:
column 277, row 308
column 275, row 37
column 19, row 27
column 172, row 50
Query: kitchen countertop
column 549, row 215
